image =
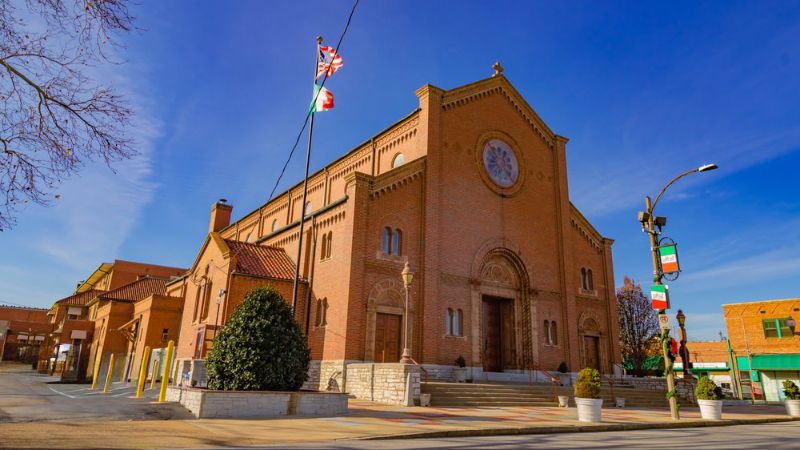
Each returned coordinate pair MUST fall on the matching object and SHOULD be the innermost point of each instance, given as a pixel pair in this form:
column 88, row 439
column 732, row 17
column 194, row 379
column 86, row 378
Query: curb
column 577, row 428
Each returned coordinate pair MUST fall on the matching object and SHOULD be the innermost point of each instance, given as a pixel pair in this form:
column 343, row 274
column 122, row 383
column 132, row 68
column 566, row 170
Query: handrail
column 611, row 381
column 553, row 379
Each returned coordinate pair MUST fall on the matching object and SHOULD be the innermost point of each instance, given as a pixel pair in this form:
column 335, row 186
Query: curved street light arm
column 688, row 172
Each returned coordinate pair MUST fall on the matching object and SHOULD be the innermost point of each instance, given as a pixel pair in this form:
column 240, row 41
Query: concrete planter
column 620, row 402
column 793, row 408
column 204, row 403
column 460, row 374
column 563, row 401
column 710, row 409
column 589, row 409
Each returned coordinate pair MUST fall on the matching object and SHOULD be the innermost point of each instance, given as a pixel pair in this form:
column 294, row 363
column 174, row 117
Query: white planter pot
column 563, row 401
column 793, row 408
column 620, row 402
column 460, row 374
column 710, row 409
column 425, row 400
column 589, row 409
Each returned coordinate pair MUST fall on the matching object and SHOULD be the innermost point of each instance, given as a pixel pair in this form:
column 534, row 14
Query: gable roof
column 137, row 290
column 79, row 299
column 261, row 260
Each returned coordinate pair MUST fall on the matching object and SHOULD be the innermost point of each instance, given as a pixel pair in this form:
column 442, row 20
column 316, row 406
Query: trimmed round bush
column 588, row 383
column 707, row 389
column 261, row 348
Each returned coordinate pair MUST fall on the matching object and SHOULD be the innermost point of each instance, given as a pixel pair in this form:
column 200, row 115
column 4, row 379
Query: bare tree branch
column 54, row 117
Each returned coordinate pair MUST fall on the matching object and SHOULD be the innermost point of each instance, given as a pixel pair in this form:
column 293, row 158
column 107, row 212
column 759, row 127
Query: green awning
column 742, row 363
column 788, row 361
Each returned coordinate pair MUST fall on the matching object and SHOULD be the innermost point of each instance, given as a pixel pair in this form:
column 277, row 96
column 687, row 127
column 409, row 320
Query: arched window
column 275, row 225
column 583, row 278
column 208, row 299
column 387, row 240
column 329, row 250
column 553, row 333
column 307, row 209
column 397, row 242
column 448, row 322
column 398, row 160
column 589, row 280
column 324, row 248
column 457, row 323
column 547, row 332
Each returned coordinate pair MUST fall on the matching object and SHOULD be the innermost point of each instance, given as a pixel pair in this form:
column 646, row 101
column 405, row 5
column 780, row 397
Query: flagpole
column 305, row 191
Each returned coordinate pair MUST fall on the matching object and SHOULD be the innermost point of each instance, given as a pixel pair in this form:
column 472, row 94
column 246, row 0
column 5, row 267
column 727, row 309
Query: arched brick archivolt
column 498, row 270
column 589, row 325
column 387, row 297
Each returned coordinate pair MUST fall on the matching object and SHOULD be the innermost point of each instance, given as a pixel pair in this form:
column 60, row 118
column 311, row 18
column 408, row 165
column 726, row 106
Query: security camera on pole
column 664, row 254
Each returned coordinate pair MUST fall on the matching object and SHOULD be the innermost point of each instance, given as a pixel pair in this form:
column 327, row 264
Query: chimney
column 220, row 215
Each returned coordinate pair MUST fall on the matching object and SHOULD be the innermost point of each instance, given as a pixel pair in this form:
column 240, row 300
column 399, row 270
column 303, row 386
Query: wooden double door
column 388, row 338
column 498, row 334
column 591, row 345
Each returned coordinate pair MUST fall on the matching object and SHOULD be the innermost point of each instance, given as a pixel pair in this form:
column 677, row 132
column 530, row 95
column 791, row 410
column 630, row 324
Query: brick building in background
column 766, row 345
column 22, row 332
column 471, row 190
column 68, row 346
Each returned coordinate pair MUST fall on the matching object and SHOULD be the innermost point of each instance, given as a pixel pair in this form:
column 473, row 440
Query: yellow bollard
column 142, row 372
column 165, row 375
column 109, row 373
column 96, row 374
column 155, row 374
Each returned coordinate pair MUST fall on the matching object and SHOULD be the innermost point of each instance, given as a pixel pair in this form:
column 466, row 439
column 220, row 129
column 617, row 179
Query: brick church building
column 471, row 190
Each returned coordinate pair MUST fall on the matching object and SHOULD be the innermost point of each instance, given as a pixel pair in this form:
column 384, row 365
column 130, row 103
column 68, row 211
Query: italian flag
column 324, row 99
column 659, row 295
column 669, row 259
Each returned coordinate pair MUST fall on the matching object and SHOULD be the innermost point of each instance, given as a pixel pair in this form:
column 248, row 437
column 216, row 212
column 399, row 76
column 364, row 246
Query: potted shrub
column 587, row 395
column 460, row 372
column 709, row 398
column 564, row 378
column 792, row 393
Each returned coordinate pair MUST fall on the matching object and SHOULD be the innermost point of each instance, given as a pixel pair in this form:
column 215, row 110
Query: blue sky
column 643, row 91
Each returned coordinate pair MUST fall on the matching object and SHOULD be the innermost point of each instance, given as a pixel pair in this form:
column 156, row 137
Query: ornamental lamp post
column 407, row 275
column 649, row 223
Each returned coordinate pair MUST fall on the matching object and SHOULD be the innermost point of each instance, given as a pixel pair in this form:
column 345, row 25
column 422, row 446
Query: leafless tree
column 638, row 324
column 54, row 117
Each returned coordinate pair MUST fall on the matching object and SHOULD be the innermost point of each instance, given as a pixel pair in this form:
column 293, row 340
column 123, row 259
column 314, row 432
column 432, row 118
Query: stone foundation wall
column 382, row 383
column 191, row 372
column 203, row 403
column 684, row 387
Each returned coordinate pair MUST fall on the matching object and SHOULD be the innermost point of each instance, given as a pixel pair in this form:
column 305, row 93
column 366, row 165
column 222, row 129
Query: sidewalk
column 365, row 421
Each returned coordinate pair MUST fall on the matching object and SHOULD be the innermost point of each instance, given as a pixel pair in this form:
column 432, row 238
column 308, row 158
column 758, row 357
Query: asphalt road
column 784, row 435
column 25, row 397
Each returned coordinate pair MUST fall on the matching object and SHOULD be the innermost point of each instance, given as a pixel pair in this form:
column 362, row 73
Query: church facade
column 471, row 191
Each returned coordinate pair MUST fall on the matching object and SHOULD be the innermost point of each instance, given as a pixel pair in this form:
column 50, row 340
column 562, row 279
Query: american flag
column 329, row 61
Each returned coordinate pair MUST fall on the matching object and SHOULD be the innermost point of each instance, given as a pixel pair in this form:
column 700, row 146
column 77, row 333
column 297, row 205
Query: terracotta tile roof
column 81, row 298
column 137, row 290
column 261, row 260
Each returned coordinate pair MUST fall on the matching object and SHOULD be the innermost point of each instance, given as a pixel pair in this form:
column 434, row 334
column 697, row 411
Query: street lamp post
column 407, row 275
column 649, row 223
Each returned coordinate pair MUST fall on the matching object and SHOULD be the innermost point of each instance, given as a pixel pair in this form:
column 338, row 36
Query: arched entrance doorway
column 503, row 325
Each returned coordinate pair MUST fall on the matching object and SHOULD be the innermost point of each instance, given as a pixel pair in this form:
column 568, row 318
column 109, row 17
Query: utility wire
column 313, row 101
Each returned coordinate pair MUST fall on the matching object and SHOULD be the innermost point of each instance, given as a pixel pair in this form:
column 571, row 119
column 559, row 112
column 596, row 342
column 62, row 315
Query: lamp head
column 707, row 167
column 681, row 317
column 407, row 274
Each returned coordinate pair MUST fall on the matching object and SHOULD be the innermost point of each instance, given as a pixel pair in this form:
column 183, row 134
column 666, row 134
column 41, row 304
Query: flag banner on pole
column 324, row 99
column 659, row 294
column 329, row 61
column 669, row 258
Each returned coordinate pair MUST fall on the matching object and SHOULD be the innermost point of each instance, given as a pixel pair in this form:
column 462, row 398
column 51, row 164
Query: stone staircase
column 487, row 394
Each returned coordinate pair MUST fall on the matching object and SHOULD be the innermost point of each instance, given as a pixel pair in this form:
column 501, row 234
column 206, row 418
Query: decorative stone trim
column 203, row 403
